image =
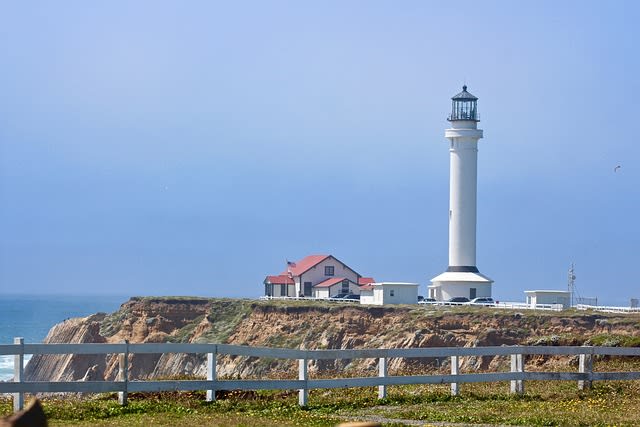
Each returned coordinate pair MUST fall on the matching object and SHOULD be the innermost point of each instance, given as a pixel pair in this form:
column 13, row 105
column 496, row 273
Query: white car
column 482, row 301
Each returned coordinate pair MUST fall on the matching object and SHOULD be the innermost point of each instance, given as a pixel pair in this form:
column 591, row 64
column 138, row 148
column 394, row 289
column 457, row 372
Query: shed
column 389, row 293
column 549, row 297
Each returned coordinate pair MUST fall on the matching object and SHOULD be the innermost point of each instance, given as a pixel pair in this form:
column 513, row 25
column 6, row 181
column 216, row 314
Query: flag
column 290, row 265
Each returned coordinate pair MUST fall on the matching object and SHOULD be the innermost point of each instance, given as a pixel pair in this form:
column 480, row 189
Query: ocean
column 31, row 317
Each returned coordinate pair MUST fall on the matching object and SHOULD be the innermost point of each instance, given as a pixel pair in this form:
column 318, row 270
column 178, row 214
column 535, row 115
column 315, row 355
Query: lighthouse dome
column 464, row 95
column 464, row 106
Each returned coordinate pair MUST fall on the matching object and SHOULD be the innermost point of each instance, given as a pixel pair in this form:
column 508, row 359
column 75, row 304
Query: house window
column 329, row 270
column 268, row 289
column 283, row 290
column 345, row 286
column 392, row 293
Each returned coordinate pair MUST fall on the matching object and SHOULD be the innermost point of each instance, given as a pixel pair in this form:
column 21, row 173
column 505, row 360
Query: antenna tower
column 571, row 284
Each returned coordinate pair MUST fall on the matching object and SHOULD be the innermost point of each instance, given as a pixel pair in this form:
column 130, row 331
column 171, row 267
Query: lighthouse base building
column 452, row 284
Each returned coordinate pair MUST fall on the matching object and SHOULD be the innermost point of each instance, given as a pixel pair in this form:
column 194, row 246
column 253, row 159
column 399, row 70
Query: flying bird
column 616, row 168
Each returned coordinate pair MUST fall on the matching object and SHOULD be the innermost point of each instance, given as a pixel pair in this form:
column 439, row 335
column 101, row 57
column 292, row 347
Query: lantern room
column 464, row 106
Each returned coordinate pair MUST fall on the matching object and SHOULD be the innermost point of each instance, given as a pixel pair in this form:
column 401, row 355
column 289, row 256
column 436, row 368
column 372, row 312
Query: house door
column 472, row 293
column 307, row 289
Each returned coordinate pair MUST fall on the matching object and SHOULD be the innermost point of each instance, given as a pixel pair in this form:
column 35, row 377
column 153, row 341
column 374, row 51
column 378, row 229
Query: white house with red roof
column 320, row 276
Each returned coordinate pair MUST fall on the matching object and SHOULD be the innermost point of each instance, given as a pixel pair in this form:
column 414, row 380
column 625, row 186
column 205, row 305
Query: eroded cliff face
column 139, row 320
column 69, row 367
column 308, row 325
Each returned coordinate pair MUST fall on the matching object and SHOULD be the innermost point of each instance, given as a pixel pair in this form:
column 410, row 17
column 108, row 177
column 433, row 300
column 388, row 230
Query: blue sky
column 160, row 147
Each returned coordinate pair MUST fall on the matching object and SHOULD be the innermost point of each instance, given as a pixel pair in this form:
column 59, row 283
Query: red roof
column 366, row 280
column 282, row 279
column 330, row 282
column 305, row 264
column 366, row 287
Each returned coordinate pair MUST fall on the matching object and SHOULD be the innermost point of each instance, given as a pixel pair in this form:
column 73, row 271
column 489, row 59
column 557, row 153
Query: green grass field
column 543, row 404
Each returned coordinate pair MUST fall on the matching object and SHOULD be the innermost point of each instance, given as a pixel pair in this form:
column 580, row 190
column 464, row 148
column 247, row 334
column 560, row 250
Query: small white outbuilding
column 389, row 293
column 548, row 297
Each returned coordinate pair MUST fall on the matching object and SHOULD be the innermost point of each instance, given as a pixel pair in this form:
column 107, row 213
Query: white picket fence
column 608, row 309
column 517, row 375
column 505, row 305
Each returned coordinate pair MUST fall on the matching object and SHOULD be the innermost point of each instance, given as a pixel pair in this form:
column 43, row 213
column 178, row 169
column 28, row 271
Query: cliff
column 310, row 325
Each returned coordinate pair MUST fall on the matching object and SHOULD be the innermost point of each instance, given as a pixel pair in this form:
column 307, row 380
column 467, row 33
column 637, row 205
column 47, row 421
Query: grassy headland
column 317, row 325
column 543, row 404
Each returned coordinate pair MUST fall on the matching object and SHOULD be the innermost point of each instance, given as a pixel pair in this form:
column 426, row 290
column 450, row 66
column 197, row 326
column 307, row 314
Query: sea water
column 31, row 317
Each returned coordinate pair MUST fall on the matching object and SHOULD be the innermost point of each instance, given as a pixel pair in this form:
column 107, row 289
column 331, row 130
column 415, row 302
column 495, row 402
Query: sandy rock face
column 308, row 325
column 139, row 320
column 68, row 367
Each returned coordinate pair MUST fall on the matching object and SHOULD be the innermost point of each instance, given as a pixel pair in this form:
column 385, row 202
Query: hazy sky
column 165, row 147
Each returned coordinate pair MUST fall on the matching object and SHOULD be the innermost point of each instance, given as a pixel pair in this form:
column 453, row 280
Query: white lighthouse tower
column 462, row 278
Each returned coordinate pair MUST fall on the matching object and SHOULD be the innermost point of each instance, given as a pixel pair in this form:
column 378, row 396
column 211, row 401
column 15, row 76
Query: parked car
column 458, row 300
column 427, row 301
column 339, row 296
column 482, row 301
column 354, row 297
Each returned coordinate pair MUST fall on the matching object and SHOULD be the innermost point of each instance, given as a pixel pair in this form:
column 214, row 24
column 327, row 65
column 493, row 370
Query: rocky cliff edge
column 309, row 325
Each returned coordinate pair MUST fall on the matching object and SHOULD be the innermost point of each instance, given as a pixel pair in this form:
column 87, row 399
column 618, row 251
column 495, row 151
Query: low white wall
column 366, row 297
column 321, row 292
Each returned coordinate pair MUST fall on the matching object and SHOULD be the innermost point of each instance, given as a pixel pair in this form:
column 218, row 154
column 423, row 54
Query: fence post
column 517, row 365
column 211, row 374
column 303, row 393
column 18, row 373
column 382, row 373
column 455, row 360
column 123, row 373
column 585, row 366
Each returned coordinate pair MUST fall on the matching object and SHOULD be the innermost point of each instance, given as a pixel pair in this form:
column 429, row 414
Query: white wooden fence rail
column 517, row 375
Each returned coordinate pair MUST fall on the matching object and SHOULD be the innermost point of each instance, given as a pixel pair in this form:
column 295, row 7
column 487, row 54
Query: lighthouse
column 462, row 277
